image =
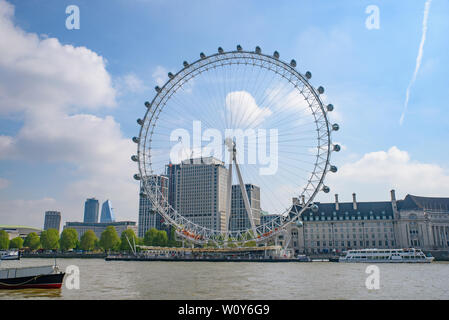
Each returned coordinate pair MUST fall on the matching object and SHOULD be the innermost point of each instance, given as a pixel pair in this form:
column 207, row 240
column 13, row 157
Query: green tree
column 32, row 241
column 150, row 236
column 172, row 242
column 50, row 239
column 161, row 239
column 251, row 243
column 4, row 240
column 69, row 239
column 140, row 241
column 131, row 237
column 89, row 241
column 109, row 239
column 16, row 243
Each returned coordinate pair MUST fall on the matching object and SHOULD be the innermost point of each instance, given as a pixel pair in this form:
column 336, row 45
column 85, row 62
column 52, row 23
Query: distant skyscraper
column 107, row 213
column 148, row 217
column 91, row 208
column 239, row 217
column 52, row 220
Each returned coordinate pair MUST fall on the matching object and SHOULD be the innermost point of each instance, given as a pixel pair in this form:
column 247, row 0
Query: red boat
column 45, row 277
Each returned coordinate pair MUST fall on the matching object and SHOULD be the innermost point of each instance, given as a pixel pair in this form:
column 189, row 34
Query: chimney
column 295, row 201
column 393, row 195
column 337, row 206
column 303, row 199
column 354, row 202
column 393, row 202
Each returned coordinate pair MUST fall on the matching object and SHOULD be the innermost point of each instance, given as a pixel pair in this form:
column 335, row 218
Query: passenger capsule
column 136, row 140
column 134, row 158
column 239, row 47
column 333, row 169
column 147, row 104
column 293, row 63
column 202, row 55
column 140, row 121
column 308, row 75
column 185, row 64
column 330, row 107
column 137, row 177
column 157, row 88
column 320, row 90
column 220, row 50
column 314, row 208
column 335, row 127
column 258, row 50
column 276, row 55
column 170, row 75
column 337, row 147
column 298, row 223
column 326, row 189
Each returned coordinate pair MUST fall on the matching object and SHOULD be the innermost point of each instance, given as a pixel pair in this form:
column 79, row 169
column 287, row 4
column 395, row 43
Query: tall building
column 170, row 172
column 91, row 208
column 52, row 220
column 239, row 219
column 200, row 192
column 107, row 213
column 148, row 216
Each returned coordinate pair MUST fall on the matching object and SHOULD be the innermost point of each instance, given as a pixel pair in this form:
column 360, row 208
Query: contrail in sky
column 418, row 58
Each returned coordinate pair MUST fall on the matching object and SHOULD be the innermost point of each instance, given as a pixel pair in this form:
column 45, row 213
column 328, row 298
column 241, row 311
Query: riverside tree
column 161, row 238
column 149, row 237
column 131, row 237
column 88, row 241
column 109, row 239
column 16, row 243
column 69, row 239
column 50, row 239
column 32, row 241
column 4, row 240
column 154, row 237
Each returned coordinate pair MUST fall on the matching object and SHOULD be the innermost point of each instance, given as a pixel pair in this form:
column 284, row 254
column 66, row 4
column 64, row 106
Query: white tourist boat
column 410, row 255
column 9, row 255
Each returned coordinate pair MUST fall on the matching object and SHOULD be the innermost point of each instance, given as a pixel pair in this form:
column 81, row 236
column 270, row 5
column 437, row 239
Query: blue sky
column 365, row 73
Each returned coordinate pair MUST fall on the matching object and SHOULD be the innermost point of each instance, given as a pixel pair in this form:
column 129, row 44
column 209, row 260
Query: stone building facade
column 420, row 222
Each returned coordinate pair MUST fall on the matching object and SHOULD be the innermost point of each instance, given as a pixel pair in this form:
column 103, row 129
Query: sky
column 69, row 99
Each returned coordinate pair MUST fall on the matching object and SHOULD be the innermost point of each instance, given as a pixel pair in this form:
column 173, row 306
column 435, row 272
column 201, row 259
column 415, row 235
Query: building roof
column 5, row 226
column 100, row 224
column 415, row 202
column 365, row 211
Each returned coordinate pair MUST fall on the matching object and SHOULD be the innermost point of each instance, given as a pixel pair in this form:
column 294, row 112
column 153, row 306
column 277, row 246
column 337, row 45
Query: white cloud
column 374, row 174
column 160, row 75
column 48, row 84
column 3, row 183
column 130, row 83
column 243, row 110
column 27, row 212
column 38, row 73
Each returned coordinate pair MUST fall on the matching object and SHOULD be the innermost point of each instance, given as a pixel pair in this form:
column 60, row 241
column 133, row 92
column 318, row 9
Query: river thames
column 238, row 280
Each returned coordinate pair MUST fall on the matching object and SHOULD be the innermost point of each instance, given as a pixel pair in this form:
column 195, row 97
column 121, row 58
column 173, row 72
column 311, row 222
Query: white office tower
column 239, row 216
column 201, row 186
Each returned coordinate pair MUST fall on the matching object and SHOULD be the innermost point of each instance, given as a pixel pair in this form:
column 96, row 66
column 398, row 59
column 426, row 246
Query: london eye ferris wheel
column 255, row 117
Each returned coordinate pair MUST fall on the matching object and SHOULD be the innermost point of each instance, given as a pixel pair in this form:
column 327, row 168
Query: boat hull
column 48, row 281
column 10, row 258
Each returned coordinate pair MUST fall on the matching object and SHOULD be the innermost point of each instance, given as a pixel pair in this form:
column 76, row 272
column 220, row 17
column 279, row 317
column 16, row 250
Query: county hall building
column 419, row 222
